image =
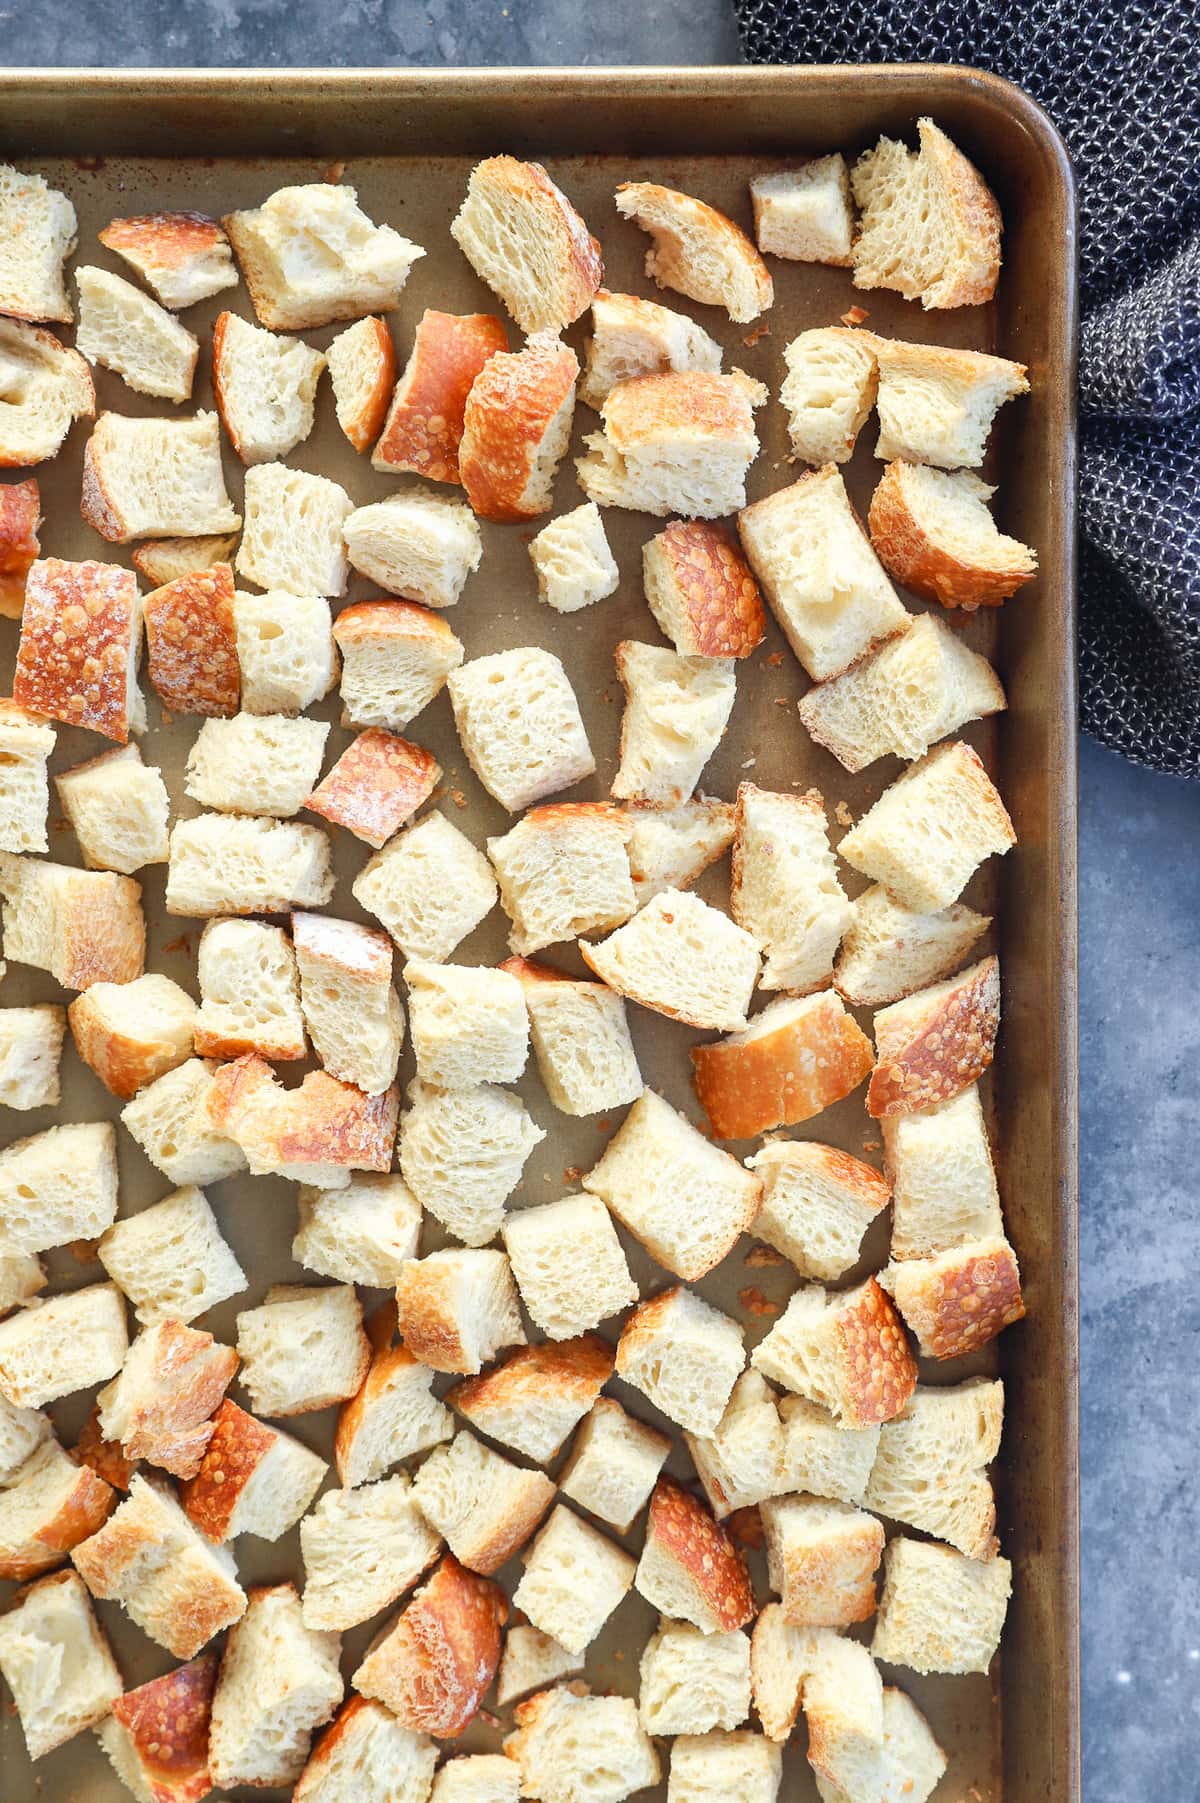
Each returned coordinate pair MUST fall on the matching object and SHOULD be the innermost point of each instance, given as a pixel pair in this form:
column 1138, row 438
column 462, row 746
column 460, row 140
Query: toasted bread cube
column 670, row 847
column 698, row 251
column 520, row 726
column 38, row 228
column 569, row 1265
column 278, row 1681
column 944, row 1182
column 430, row 887
column 828, row 392
column 157, row 1735
column 817, row 1204
column 30, row 1050
column 939, row 1611
column 302, row 1348
column 691, row 1682
column 934, row 1044
column 708, row 1767
column 683, row 959
column 845, row 1350
column 958, row 1301
column 580, row 1038
column 49, row 387
column 285, row 650
column 933, row 532
column 674, row 444
column 83, row 926
column 740, row 1462
column 843, row 1712
column 458, row 1308
column 532, row 1399
column 821, row 1559
column 676, row 712
column 183, row 257
column 462, row 1152
column 522, row 236
column 178, row 1588
column 685, row 1199
column 435, row 1663
column 930, row 227
column 530, row 1660
column 889, row 950
column 253, row 1479
column 575, row 1577
column 249, row 992
column 225, row 864
column 581, row 1749
column 684, row 1356
column 365, row 1756
column 350, row 1008
column 393, row 1415
column 931, row 829
column 701, row 591
column 781, row 1658
column 417, row 544
column 632, row 336
column 293, row 537
column 48, row 1506
column 690, row 1569
column 125, row 331
column 908, row 1763
column 56, row 1660
column 563, row 870
column 785, row 889
column 191, row 643
column 362, row 1549
column 310, row 256
column 929, row 1469
column 377, row 784
column 118, row 808
column 485, row 1506
column 147, row 478
column 823, row 1457
column 78, row 651
column 159, row 1406
column 396, row 657
column 164, row 560
column 169, row 1120
column 26, row 741
column 795, row 1059
column 256, row 764
column 614, row 1464
column 805, row 215
column 936, row 405
column 424, row 426
column 362, row 368
column 58, row 1186
column 20, row 517
column 265, row 388
column 469, row 1025
column 574, row 565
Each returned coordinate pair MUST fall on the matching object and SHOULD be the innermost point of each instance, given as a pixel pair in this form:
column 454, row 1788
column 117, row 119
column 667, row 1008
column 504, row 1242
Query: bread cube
column 958, row 1301
column 310, row 256
column 534, row 1397
column 191, row 643
column 684, row 1356
column 632, row 336
column 822, row 1456
column 795, row 1058
column 132, row 1033
column 424, row 425
column 20, row 517
column 785, row 888
column 477, row 1778
column 394, row 1413
column 457, row 1308
column 152, row 478
column 697, row 250
column 685, row 1199
column 692, row 1682
column 462, row 1152
column 563, row 870
column 165, row 560
column 936, row 405
column 519, row 725
column 614, row 1464
column 39, row 225
column 361, row 1234
column 522, row 236
column 30, row 1050
column 183, row 257
column 70, row 1342
column 781, row 1658
column 929, row 1468
column 362, row 1549
column 285, row 650
column 516, row 427
column 574, row 565
column 377, row 784
column 939, row 1611
column 943, row 1179
column 708, row 1767
column 690, row 1570
column 21, row 1277
column 256, row 764
column 51, row 387
column 365, row 1756
column 302, row 1348
column 168, row 1766
column 683, row 959
column 253, row 1479
column 910, row 1764
column 843, row 1712
column 485, row 1506
column 169, row 1120
column 434, row 1664
column 530, row 1660
column 278, row 1681
column 430, row 887
column 77, row 655
column 102, row 1456
column 83, row 926
column 676, row 712
column 934, row 1044
column 952, row 259
column 702, row 593
column 889, row 950
column 178, row 1588
column 26, row 741
column 48, row 1506
column 159, row 1406
column 581, row 1749
column 58, row 1186
column 228, row 864
column 741, row 1461
column 821, row 1559
column 51, row 1627
column 845, row 1350
column 469, row 1025
column 670, row 847
column 676, row 443
column 569, row 1265
column 293, row 535
column 125, row 331
column 828, row 392
column 817, row 1204
column 575, row 1577
column 395, row 659
column 934, row 533
column 416, row 544
column 118, row 808
column 22, row 1431
column 249, row 992
column 316, row 1134
column 580, row 1038
column 805, row 215
column 264, row 386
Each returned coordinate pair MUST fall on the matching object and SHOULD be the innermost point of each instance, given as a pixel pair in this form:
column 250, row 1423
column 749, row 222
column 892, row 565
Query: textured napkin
column 1121, row 81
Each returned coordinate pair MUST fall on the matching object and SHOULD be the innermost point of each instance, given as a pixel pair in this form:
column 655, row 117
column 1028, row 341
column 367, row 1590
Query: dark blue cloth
column 1121, row 80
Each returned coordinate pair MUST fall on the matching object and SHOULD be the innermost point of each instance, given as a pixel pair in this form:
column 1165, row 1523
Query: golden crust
column 434, row 1666
column 976, row 213
column 832, row 1585
column 929, row 567
column 325, row 1748
column 377, row 784
column 712, row 590
column 425, row 425
column 508, row 412
column 878, row 1371
column 357, row 951
column 533, row 975
column 693, row 402
column 405, row 621
column 171, row 1426
column 935, row 1043
column 78, row 1515
column 191, row 643
column 167, row 1721
column 105, row 1457
column 785, row 1076
column 386, row 1359
column 427, row 1318
column 569, row 1370
column 324, row 1121
column 237, row 1446
column 77, row 628
column 20, row 517
column 162, row 241
column 684, row 1531
column 668, row 215
column 959, row 1301
column 124, row 1062
column 103, row 930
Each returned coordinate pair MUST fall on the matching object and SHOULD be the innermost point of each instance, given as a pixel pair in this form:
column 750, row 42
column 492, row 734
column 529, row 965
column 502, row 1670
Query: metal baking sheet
column 146, row 140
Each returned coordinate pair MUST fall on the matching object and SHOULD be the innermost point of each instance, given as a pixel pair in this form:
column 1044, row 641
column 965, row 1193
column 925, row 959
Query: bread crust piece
column 377, row 784
column 777, row 1075
column 702, row 592
column 362, row 405
column 169, row 250
column 51, row 388
column 957, row 1302
column 97, row 929
column 964, row 196
column 821, row 1558
column 846, row 1351
column 80, row 1503
column 434, row 1665
column 510, row 423
column 681, row 1531
column 164, row 1728
column 191, row 643
column 323, row 1122
column 565, row 1375
column 78, row 637
column 126, row 1061
column 424, row 426
column 936, row 1042
column 909, row 548
column 571, row 269
column 160, row 1405
column 388, row 1361
column 20, row 517
column 236, row 1447
column 683, row 229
